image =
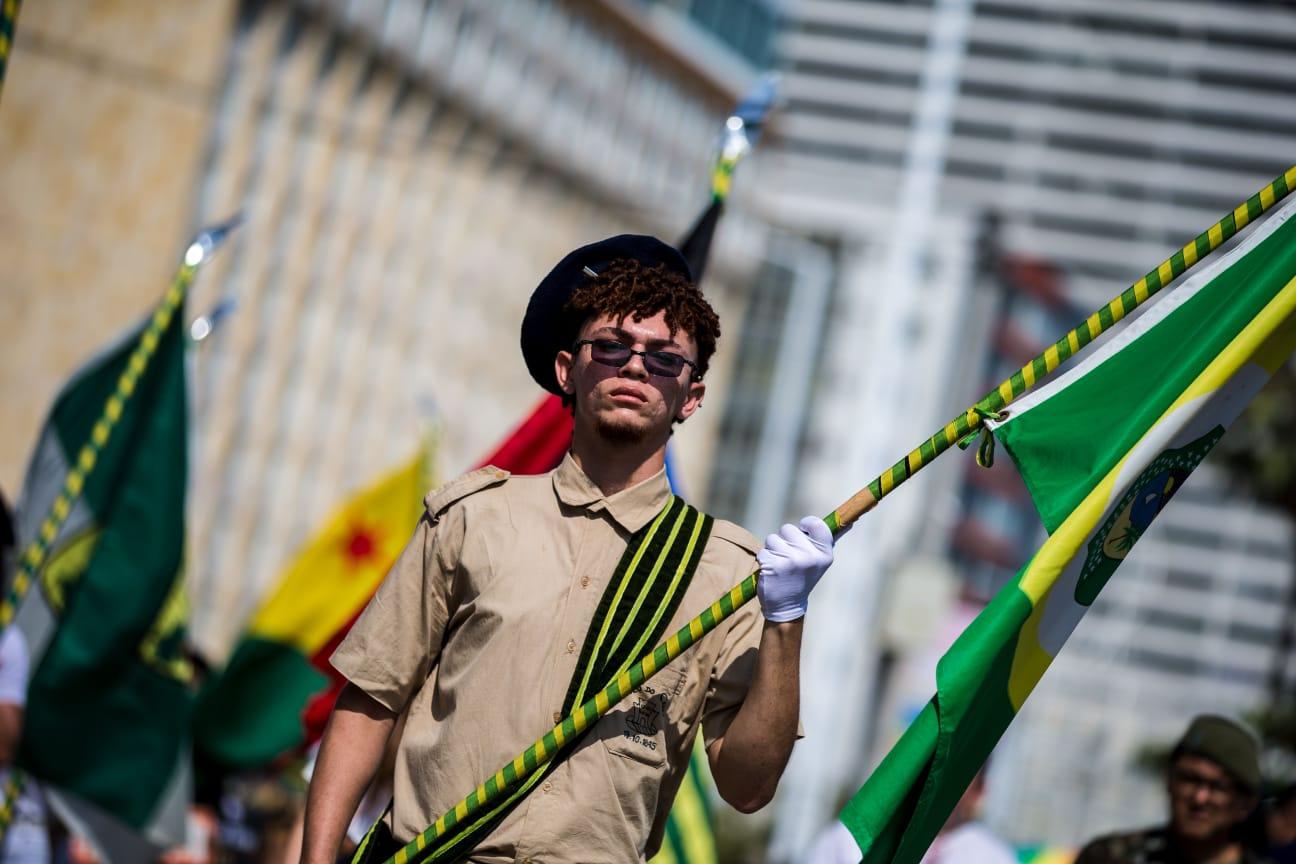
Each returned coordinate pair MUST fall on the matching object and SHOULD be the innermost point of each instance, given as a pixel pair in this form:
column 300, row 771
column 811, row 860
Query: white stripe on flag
column 1161, row 306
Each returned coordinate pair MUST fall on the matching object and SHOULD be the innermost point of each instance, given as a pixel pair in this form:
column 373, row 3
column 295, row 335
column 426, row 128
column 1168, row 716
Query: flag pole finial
column 209, row 239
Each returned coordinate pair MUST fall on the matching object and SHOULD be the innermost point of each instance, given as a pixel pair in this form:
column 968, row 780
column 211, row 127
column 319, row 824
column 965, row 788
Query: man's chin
column 621, row 431
column 1199, row 828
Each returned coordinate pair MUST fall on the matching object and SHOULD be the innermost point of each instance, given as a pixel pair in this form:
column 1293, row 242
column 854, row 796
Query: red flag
column 538, row 445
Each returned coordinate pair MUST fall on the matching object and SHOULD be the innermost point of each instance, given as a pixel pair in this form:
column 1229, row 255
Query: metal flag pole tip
column 203, row 325
column 755, row 106
column 742, row 129
column 209, row 239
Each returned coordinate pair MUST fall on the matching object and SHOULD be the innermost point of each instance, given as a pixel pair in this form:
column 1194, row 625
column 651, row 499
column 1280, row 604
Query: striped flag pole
column 33, row 556
column 841, row 519
column 8, row 20
column 992, row 403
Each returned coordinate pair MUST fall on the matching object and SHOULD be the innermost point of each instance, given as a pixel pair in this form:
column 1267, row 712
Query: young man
column 520, row 597
column 1213, row 783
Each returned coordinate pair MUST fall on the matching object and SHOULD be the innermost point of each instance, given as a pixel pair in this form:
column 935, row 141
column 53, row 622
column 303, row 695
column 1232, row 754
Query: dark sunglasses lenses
column 613, row 353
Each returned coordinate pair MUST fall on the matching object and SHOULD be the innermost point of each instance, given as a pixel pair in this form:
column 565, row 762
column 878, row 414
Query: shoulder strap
column 438, row 500
column 649, row 582
column 737, row 535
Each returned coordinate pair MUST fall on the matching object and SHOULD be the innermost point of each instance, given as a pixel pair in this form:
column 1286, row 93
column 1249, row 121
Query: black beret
column 547, row 328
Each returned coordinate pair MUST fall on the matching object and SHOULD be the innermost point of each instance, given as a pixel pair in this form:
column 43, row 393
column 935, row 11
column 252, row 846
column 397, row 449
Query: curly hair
column 629, row 288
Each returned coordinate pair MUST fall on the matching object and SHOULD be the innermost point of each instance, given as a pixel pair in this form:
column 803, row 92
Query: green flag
column 689, row 837
column 109, row 699
column 1102, row 450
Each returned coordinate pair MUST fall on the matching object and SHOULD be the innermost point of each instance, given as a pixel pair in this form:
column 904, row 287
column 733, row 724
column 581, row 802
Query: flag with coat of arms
column 1103, row 449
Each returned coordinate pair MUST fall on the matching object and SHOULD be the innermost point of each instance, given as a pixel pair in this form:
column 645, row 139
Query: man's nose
column 634, row 368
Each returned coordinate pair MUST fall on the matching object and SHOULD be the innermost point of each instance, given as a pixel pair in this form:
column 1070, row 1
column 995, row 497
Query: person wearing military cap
column 520, row 597
column 1213, row 783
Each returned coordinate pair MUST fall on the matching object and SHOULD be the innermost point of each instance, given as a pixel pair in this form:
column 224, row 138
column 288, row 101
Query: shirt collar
column 630, row 508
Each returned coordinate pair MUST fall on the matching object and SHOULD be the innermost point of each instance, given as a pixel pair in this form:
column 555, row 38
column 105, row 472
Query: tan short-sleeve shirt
column 476, row 633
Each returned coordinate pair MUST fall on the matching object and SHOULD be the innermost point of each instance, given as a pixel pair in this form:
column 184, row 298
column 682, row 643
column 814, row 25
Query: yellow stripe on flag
column 333, row 576
column 690, row 816
column 1267, row 341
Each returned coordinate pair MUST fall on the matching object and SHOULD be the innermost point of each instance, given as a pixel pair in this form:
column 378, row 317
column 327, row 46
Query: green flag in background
column 108, row 704
column 1102, row 450
column 689, row 836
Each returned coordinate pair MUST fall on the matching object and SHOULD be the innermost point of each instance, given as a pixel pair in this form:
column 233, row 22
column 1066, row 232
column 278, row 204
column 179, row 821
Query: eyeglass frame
column 1190, row 781
column 693, row 367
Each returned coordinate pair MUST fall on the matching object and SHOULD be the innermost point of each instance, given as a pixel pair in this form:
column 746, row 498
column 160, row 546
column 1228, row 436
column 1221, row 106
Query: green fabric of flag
column 690, row 838
column 108, row 707
column 1102, row 449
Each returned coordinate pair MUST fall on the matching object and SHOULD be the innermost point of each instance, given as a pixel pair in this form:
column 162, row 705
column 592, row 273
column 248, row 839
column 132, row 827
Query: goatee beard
column 620, row 433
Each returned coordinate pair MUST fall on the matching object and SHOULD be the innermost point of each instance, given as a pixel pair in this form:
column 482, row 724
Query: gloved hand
column 790, row 565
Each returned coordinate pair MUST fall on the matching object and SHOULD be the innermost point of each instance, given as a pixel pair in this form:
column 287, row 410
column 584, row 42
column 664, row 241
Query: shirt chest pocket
column 643, row 726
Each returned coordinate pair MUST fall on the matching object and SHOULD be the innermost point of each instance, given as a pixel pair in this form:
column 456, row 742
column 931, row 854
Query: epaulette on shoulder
column 461, row 487
column 735, row 534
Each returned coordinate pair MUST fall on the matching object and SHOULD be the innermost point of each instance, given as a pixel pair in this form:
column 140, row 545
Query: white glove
column 790, row 565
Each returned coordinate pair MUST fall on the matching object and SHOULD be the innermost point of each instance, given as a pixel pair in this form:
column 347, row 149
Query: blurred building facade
column 1099, row 135
column 418, row 167
column 407, row 172
column 102, row 132
column 1105, row 131
column 1022, row 308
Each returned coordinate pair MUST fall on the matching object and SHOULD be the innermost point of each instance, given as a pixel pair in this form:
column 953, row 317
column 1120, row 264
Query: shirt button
column 557, row 718
column 548, row 787
column 571, row 646
column 584, row 581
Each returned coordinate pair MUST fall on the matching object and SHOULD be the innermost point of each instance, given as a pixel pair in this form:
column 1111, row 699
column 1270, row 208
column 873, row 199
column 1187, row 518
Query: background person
column 1213, row 782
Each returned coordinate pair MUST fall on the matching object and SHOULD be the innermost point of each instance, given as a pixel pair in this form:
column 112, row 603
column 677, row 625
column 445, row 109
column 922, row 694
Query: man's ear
column 697, row 389
column 563, row 362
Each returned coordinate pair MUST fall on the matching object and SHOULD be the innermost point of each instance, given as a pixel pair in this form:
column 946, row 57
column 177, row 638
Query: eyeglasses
column 1188, row 782
column 609, row 352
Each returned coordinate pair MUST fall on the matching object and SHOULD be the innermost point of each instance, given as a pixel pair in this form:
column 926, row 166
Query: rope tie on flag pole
column 985, row 452
column 423, row 849
column 34, row 555
column 986, row 449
